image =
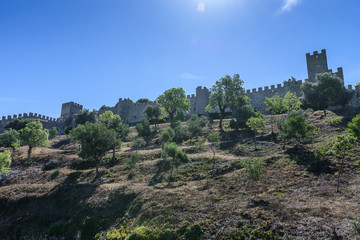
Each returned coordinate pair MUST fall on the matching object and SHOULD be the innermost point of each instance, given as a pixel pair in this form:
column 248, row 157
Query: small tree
column 9, row 139
column 95, row 140
column 274, row 106
column 227, row 92
column 113, row 121
column 255, row 124
column 354, row 127
column 53, row 132
column 33, row 135
column 167, row 136
column 196, row 124
column 177, row 155
column 254, row 168
column 132, row 163
column 153, row 113
column 340, row 147
column 5, row 162
column 214, row 139
column 143, row 128
column 296, row 127
column 291, row 101
column 174, row 100
column 242, row 114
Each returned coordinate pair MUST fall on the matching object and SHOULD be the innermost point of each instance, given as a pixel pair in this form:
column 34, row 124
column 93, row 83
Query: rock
column 51, row 164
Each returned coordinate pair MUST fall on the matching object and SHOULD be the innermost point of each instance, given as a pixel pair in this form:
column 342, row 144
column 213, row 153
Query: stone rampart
column 257, row 96
column 48, row 122
column 355, row 101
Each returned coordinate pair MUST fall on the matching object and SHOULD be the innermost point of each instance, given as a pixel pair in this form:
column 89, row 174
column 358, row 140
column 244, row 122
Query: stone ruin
column 131, row 112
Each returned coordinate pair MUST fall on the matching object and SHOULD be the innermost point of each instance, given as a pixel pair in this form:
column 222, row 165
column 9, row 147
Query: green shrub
column 54, row 174
column 57, row 229
column 333, row 120
column 143, row 233
column 53, row 133
column 139, row 142
column 131, row 163
column 355, row 227
column 167, row 136
column 5, row 162
column 113, row 234
column 354, row 127
column 254, row 168
column 199, row 144
column 143, row 128
column 89, row 228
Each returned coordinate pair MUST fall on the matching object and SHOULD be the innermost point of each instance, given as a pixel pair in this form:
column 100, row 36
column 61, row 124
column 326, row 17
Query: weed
column 54, row 175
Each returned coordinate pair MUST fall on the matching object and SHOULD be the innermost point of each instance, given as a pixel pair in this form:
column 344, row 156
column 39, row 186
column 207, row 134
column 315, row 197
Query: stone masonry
column 132, row 112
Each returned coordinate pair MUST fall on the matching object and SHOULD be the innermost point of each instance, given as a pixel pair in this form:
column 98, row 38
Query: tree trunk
column 29, row 153
column 113, row 157
column 213, row 150
column 272, row 124
column 255, row 139
column 325, row 112
column 97, row 170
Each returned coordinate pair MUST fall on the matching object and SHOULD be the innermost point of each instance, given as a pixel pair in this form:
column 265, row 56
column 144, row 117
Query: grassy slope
column 293, row 196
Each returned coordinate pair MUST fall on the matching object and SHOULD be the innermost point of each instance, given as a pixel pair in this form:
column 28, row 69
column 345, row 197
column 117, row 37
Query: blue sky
column 96, row 51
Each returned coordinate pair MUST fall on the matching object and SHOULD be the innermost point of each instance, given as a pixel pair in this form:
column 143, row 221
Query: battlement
column 29, row 115
column 69, row 109
column 316, row 53
column 356, row 88
column 272, row 88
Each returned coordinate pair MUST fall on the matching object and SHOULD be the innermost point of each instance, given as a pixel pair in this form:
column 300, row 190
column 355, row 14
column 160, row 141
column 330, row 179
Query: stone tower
column 317, row 64
column 69, row 109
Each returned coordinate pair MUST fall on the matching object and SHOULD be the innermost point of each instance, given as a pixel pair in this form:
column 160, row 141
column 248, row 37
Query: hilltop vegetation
column 289, row 175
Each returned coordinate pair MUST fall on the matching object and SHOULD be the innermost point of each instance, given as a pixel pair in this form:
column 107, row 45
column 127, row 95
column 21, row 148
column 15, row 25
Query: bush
column 143, row 233
column 333, row 120
column 113, row 234
column 57, row 229
column 199, row 144
column 354, row 127
column 139, row 142
column 54, row 174
column 68, row 130
column 167, row 136
column 5, row 162
column 89, row 228
column 143, row 128
column 355, row 227
column 53, row 133
column 254, row 168
column 131, row 163
column 9, row 138
column 181, row 132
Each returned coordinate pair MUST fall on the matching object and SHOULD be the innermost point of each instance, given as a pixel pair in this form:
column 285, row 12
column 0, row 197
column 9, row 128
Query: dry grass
column 299, row 202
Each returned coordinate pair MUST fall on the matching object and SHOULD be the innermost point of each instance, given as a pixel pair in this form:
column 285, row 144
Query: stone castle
column 131, row 112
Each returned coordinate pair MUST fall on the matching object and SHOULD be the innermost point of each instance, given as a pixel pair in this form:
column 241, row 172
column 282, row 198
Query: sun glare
column 201, row 7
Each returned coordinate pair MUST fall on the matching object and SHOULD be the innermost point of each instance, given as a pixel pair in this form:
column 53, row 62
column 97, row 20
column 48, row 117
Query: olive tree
column 95, row 140
column 327, row 91
column 174, row 100
column 153, row 113
column 33, row 135
column 255, row 124
column 9, row 139
column 227, row 92
column 5, row 162
column 177, row 155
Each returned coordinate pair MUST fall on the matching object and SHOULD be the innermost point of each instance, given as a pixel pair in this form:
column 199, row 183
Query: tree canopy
column 227, row 92
column 18, row 123
column 174, row 100
column 95, row 140
column 327, row 91
column 33, row 135
column 5, row 162
column 85, row 116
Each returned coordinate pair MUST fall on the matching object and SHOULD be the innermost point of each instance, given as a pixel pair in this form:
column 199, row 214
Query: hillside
column 296, row 198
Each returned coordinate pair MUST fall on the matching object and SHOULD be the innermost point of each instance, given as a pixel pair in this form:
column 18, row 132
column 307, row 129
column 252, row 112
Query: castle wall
column 257, row 96
column 129, row 111
column 199, row 101
column 355, row 101
column 47, row 122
